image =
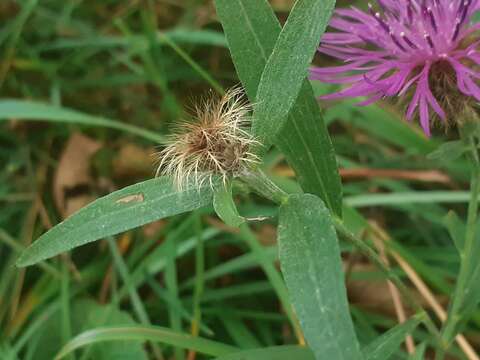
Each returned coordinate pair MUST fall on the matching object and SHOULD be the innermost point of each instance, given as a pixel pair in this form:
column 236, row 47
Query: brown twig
column 429, row 176
column 396, row 297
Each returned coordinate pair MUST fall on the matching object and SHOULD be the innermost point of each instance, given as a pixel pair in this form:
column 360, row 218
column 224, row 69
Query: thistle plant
column 423, row 52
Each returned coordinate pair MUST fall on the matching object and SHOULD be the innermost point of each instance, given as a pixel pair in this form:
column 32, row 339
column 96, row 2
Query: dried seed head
column 215, row 144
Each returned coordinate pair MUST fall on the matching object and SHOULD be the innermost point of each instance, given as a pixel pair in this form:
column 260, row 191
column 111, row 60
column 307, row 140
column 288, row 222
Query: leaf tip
column 23, row 261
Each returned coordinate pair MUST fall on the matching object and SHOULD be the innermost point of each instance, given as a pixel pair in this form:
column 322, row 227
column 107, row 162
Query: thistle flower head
column 423, row 48
column 216, row 144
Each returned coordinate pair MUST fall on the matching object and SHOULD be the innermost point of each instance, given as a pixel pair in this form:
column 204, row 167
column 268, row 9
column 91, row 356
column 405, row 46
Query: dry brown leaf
column 73, row 173
column 267, row 235
column 133, row 161
column 76, row 202
column 371, row 295
column 428, row 176
column 282, row 5
column 153, row 228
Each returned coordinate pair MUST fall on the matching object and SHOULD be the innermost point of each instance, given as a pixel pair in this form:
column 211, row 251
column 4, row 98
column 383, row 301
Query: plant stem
column 466, row 254
column 262, row 185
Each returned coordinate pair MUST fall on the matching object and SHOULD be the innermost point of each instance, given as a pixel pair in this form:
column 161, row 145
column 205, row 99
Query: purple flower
column 398, row 48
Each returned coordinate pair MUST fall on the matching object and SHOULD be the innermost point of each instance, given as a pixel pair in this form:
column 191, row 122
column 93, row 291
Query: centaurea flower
column 425, row 49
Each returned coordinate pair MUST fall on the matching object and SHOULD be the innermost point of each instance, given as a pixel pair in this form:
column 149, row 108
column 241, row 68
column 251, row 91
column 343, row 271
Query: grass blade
column 268, row 266
column 30, row 110
column 137, row 303
column 386, row 345
column 144, row 333
column 272, row 353
column 407, row 197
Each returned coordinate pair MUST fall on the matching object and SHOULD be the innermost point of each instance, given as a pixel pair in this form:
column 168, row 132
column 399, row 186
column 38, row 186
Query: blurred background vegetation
column 143, row 62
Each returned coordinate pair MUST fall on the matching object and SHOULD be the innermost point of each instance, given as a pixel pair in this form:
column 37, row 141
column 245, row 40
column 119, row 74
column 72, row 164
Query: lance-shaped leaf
column 304, row 139
column 311, row 264
column 117, row 212
column 287, row 66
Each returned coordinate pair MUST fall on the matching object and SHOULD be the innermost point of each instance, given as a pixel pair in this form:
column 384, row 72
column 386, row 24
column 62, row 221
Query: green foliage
column 451, row 150
column 28, row 110
column 117, row 212
column 310, row 258
column 386, row 345
column 287, row 66
column 87, row 314
column 186, row 283
column 273, row 353
column 304, row 140
column 225, row 206
column 456, row 229
column 140, row 334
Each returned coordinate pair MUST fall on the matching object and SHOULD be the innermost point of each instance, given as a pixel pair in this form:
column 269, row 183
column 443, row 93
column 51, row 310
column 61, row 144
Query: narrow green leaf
column 407, row 197
column 242, row 336
column 251, row 47
column 126, row 277
column 30, row 110
column 17, row 248
column 117, row 212
column 287, row 66
column 456, row 229
column 171, row 282
column 304, row 139
column 7, row 353
column 386, row 345
column 85, row 314
column 144, row 333
column 311, row 264
column 472, row 293
column 88, row 314
column 106, row 42
column 225, row 206
column 419, row 353
column 450, row 150
column 381, row 123
column 309, row 151
column 237, row 264
column 273, row 275
column 272, row 353
column 472, row 290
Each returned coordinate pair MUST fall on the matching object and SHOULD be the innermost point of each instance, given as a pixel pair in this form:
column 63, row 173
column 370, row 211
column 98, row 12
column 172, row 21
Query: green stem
column 466, row 254
column 262, row 185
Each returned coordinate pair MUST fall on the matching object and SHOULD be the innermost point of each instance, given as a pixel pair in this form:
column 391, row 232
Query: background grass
column 141, row 63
